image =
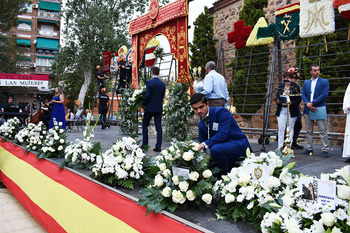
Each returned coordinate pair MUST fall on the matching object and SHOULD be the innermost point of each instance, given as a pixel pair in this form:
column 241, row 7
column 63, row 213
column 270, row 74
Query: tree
column 93, row 27
column 250, row 65
column 203, row 45
column 9, row 11
column 10, row 53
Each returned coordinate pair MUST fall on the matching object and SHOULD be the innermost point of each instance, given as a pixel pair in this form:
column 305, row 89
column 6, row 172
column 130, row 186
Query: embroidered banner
column 287, row 21
column 316, row 18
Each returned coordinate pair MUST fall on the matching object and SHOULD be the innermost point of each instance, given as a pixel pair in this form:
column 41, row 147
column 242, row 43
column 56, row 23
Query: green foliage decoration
column 250, row 79
column 177, row 111
column 203, row 44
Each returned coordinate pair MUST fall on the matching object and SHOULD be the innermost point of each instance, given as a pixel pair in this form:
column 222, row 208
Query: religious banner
column 24, row 80
column 107, row 57
column 316, row 18
column 287, row 21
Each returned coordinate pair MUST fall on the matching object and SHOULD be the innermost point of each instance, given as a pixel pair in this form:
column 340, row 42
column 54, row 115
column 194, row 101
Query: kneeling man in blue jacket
column 219, row 132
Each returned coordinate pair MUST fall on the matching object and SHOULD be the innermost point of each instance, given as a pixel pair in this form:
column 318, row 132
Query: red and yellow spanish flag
column 63, row 201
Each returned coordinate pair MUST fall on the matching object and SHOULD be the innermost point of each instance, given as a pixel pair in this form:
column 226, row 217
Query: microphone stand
column 262, row 138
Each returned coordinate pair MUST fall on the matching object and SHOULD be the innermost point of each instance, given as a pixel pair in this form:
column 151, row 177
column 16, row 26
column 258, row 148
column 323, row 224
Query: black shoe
column 296, row 146
column 308, row 152
column 157, row 149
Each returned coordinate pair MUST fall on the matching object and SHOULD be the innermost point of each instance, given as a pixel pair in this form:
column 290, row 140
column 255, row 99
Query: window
column 24, row 27
column 41, row 61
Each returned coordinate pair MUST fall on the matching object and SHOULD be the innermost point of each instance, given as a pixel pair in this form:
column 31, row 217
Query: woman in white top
column 346, row 108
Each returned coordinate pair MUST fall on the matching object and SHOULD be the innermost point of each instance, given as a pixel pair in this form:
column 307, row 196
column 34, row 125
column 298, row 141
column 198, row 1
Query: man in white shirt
column 314, row 94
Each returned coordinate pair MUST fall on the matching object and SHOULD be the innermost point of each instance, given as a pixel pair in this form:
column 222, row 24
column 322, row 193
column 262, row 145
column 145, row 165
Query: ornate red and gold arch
column 170, row 21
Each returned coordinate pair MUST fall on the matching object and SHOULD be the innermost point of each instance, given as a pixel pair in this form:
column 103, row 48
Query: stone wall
column 226, row 13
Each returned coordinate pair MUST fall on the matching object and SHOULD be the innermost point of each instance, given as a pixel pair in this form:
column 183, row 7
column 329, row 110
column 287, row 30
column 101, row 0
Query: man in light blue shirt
column 215, row 88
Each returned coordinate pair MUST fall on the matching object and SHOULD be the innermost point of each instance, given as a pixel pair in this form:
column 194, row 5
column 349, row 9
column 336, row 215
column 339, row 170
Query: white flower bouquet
column 177, row 111
column 123, row 164
column 246, row 192
column 293, row 213
column 36, row 135
column 54, row 142
column 136, row 99
column 10, row 128
column 82, row 154
column 128, row 117
column 183, row 178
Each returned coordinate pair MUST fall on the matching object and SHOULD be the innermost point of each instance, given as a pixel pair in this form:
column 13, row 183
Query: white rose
column 128, row 166
column 343, row 192
column 207, row 198
column 194, row 176
column 60, row 148
column 61, row 130
column 195, row 146
column 274, row 181
column 229, row 198
column 178, row 197
column 183, row 185
column 207, row 173
column 190, row 195
column 166, row 172
column 119, row 159
column 104, row 170
column 188, row 156
column 175, row 179
column 56, row 137
column 328, row 219
column 240, row 198
column 61, row 140
column 166, row 192
column 158, row 180
column 162, row 166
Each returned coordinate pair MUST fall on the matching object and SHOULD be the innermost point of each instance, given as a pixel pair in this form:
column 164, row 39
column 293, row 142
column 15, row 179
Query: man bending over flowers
column 219, row 132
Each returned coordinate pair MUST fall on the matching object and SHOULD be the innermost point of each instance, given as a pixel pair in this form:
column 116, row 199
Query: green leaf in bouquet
column 96, row 148
column 201, row 187
column 285, row 159
column 220, row 217
column 172, row 206
column 126, row 183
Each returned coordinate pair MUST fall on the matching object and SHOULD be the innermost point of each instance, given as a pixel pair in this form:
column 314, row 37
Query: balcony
column 48, row 33
column 48, row 14
column 42, row 69
column 46, row 52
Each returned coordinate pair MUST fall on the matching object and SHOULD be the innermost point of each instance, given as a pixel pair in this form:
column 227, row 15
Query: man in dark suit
column 219, row 132
column 153, row 102
column 314, row 94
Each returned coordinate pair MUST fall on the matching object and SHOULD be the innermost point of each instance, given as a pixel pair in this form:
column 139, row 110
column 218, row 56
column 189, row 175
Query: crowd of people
column 218, row 130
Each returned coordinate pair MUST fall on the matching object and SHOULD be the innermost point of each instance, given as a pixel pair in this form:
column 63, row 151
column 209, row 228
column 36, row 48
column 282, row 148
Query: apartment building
column 38, row 32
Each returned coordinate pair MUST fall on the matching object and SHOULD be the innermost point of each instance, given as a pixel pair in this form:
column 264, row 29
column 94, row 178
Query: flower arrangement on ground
column 247, row 191
column 54, row 142
column 183, row 178
column 136, row 99
column 177, row 111
column 82, row 154
column 10, row 128
column 35, row 136
column 123, row 164
column 128, row 117
column 293, row 213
